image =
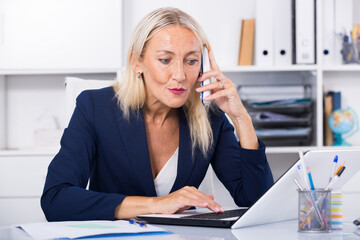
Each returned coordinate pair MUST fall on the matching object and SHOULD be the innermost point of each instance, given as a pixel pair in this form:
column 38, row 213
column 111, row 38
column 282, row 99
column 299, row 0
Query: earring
column 138, row 75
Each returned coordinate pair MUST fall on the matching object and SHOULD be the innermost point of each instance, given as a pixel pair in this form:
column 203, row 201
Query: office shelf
column 290, row 68
column 342, row 68
column 28, row 152
column 57, row 71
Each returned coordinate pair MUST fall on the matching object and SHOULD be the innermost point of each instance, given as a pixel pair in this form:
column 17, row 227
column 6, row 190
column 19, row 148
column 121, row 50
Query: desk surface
column 279, row 231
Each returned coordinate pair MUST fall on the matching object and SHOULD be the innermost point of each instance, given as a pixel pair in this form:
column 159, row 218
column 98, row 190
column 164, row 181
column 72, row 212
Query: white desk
column 276, row 231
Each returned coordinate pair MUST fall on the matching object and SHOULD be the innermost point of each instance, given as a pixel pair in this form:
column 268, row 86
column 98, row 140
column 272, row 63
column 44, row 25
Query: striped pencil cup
column 336, row 211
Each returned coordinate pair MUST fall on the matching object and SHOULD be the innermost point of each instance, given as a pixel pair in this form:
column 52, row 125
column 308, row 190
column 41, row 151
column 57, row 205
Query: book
column 247, row 42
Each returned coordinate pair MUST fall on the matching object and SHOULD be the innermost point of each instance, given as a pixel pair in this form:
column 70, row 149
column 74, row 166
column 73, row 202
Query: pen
column 136, row 221
column 301, row 179
column 298, row 184
column 332, row 173
column 310, row 178
column 339, row 169
column 335, row 179
column 302, row 168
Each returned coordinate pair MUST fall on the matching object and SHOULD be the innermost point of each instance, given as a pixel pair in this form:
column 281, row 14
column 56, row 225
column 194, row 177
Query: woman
column 146, row 143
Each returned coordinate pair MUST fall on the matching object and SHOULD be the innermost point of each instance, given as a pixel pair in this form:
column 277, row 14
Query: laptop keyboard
column 226, row 214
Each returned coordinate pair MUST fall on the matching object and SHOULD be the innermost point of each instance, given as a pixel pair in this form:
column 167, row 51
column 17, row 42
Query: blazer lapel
column 133, row 134
column 185, row 160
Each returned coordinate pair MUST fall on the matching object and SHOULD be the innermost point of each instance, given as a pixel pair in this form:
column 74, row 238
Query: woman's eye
column 164, row 60
column 192, row 61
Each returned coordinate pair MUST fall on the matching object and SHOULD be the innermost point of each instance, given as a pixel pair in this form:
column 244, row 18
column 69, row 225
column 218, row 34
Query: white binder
column 264, row 55
column 282, row 32
column 304, row 31
column 343, row 25
column 328, row 33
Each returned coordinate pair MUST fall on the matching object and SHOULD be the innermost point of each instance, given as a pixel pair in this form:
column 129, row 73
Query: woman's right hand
column 175, row 202
column 184, row 199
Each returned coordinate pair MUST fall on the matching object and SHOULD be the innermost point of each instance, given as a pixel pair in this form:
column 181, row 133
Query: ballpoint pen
column 332, row 173
column 337, row 171
column 335, row 178
column 302, row 168
column 136, row 221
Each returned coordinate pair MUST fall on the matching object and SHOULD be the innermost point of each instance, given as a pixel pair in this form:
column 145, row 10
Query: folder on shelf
column 264, row 52
column 282, row 32
column 336, row 100
column 328, row 32
column 304, row 32
column 247, row 42
column 297, row 136
column 343, row 25
column 328, row 135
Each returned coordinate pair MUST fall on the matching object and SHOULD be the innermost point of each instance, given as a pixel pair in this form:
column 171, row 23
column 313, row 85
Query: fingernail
column 217, row 209
column 205, row 204
column 198, row 89
column 223, row 210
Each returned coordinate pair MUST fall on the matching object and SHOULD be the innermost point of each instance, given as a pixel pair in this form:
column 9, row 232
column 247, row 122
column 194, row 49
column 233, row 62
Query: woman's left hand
column 223, row 91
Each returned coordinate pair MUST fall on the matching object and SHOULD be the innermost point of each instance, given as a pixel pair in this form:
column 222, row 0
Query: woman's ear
column 135, row 63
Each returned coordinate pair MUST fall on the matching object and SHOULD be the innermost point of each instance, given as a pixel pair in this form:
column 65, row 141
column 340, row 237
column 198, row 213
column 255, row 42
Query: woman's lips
column 177, row 91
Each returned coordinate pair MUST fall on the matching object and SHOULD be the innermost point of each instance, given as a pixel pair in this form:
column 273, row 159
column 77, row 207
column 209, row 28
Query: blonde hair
column 130, row 91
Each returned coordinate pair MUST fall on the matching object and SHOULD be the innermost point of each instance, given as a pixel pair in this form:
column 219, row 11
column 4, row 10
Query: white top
column 166, row 177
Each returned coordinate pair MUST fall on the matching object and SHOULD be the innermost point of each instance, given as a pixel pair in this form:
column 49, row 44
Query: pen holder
column 314, row 211
column 351, row 52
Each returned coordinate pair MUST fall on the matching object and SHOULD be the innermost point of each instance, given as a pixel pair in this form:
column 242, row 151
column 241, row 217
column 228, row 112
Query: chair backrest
column 207, row 185
column 74, row 86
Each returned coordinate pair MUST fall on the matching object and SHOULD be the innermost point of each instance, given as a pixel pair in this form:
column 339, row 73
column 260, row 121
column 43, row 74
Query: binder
column 328, row 33
column 247, row 42
column 304, row 29
column 264, row 55
column 282, row 32
column 343, row 25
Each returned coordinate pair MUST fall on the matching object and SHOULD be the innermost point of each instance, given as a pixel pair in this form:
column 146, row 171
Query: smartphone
column 205, row 66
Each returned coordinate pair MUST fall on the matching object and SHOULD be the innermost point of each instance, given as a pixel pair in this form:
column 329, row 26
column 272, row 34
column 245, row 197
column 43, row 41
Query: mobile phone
column 205, row 66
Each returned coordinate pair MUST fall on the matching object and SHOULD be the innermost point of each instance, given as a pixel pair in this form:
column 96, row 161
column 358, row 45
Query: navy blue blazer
column 100, row 145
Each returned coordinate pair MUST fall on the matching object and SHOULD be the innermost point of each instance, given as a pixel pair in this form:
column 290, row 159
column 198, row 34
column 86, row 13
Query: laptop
column 279, row 203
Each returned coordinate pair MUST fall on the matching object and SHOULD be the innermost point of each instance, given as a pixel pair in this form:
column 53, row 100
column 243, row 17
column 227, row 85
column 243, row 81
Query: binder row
column 285, row 32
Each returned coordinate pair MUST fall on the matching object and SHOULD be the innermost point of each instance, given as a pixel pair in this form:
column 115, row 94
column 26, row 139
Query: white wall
column 2, row 112
column 56, row 34
column 30, row 96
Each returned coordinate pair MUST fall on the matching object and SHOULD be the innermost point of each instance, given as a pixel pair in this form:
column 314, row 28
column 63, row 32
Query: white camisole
column 167, row 175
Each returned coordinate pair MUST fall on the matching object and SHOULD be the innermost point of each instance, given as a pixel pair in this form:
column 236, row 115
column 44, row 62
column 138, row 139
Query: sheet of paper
column 76, row 229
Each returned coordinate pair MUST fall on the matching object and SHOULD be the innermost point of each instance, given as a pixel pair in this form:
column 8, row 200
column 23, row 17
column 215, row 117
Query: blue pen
column 332, row 173
column 310, row 178
column 135, row 221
